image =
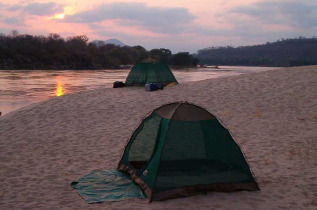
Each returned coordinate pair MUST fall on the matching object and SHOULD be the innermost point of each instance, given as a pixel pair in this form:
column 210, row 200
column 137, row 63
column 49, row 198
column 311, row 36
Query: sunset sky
column 179, row 25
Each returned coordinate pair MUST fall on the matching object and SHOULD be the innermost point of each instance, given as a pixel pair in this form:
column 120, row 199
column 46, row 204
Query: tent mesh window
column 143, row 144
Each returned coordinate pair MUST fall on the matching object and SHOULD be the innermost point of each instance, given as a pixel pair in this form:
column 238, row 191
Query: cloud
column 14, row 8
column 289, row 12
column 2, row 6
column 156, row 19
column 17, row 21
column 43, row 9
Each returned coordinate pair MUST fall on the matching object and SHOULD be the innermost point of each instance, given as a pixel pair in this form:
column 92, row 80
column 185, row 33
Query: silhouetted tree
column 183, row 59
column 163, row 54
column 54, row 52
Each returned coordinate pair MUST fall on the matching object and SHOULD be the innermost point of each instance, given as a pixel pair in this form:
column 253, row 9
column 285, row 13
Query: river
column 20, row 88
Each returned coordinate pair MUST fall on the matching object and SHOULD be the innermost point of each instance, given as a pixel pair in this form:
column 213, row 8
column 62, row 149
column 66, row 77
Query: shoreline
column 272, row 114
column 75, row 81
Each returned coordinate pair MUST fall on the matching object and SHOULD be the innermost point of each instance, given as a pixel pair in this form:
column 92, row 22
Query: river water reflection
column 21, row 88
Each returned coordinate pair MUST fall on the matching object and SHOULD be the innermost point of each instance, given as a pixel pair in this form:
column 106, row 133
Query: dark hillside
column 285, row 52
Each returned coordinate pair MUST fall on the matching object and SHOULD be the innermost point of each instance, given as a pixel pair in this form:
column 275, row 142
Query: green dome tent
column 150, row 70
column 181, row 149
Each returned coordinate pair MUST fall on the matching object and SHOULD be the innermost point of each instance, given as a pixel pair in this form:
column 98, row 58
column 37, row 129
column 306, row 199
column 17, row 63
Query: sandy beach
column 272, row 115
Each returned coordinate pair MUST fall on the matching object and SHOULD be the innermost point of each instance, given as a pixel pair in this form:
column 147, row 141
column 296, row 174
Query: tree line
column 284, row 52
column 55, row 52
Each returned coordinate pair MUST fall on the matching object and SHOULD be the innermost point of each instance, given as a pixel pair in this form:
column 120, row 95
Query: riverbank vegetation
column 76, row 52
column 55, row 52
column 285, row 52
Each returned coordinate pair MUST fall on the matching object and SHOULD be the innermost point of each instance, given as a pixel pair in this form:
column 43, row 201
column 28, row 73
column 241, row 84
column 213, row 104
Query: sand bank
column 272, row 115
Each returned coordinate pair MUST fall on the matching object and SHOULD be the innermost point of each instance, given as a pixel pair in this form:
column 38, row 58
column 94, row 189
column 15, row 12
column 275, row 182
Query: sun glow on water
column 59, row 89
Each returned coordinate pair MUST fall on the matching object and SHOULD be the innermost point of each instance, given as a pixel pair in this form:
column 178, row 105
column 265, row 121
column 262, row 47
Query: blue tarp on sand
column 107, row 185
